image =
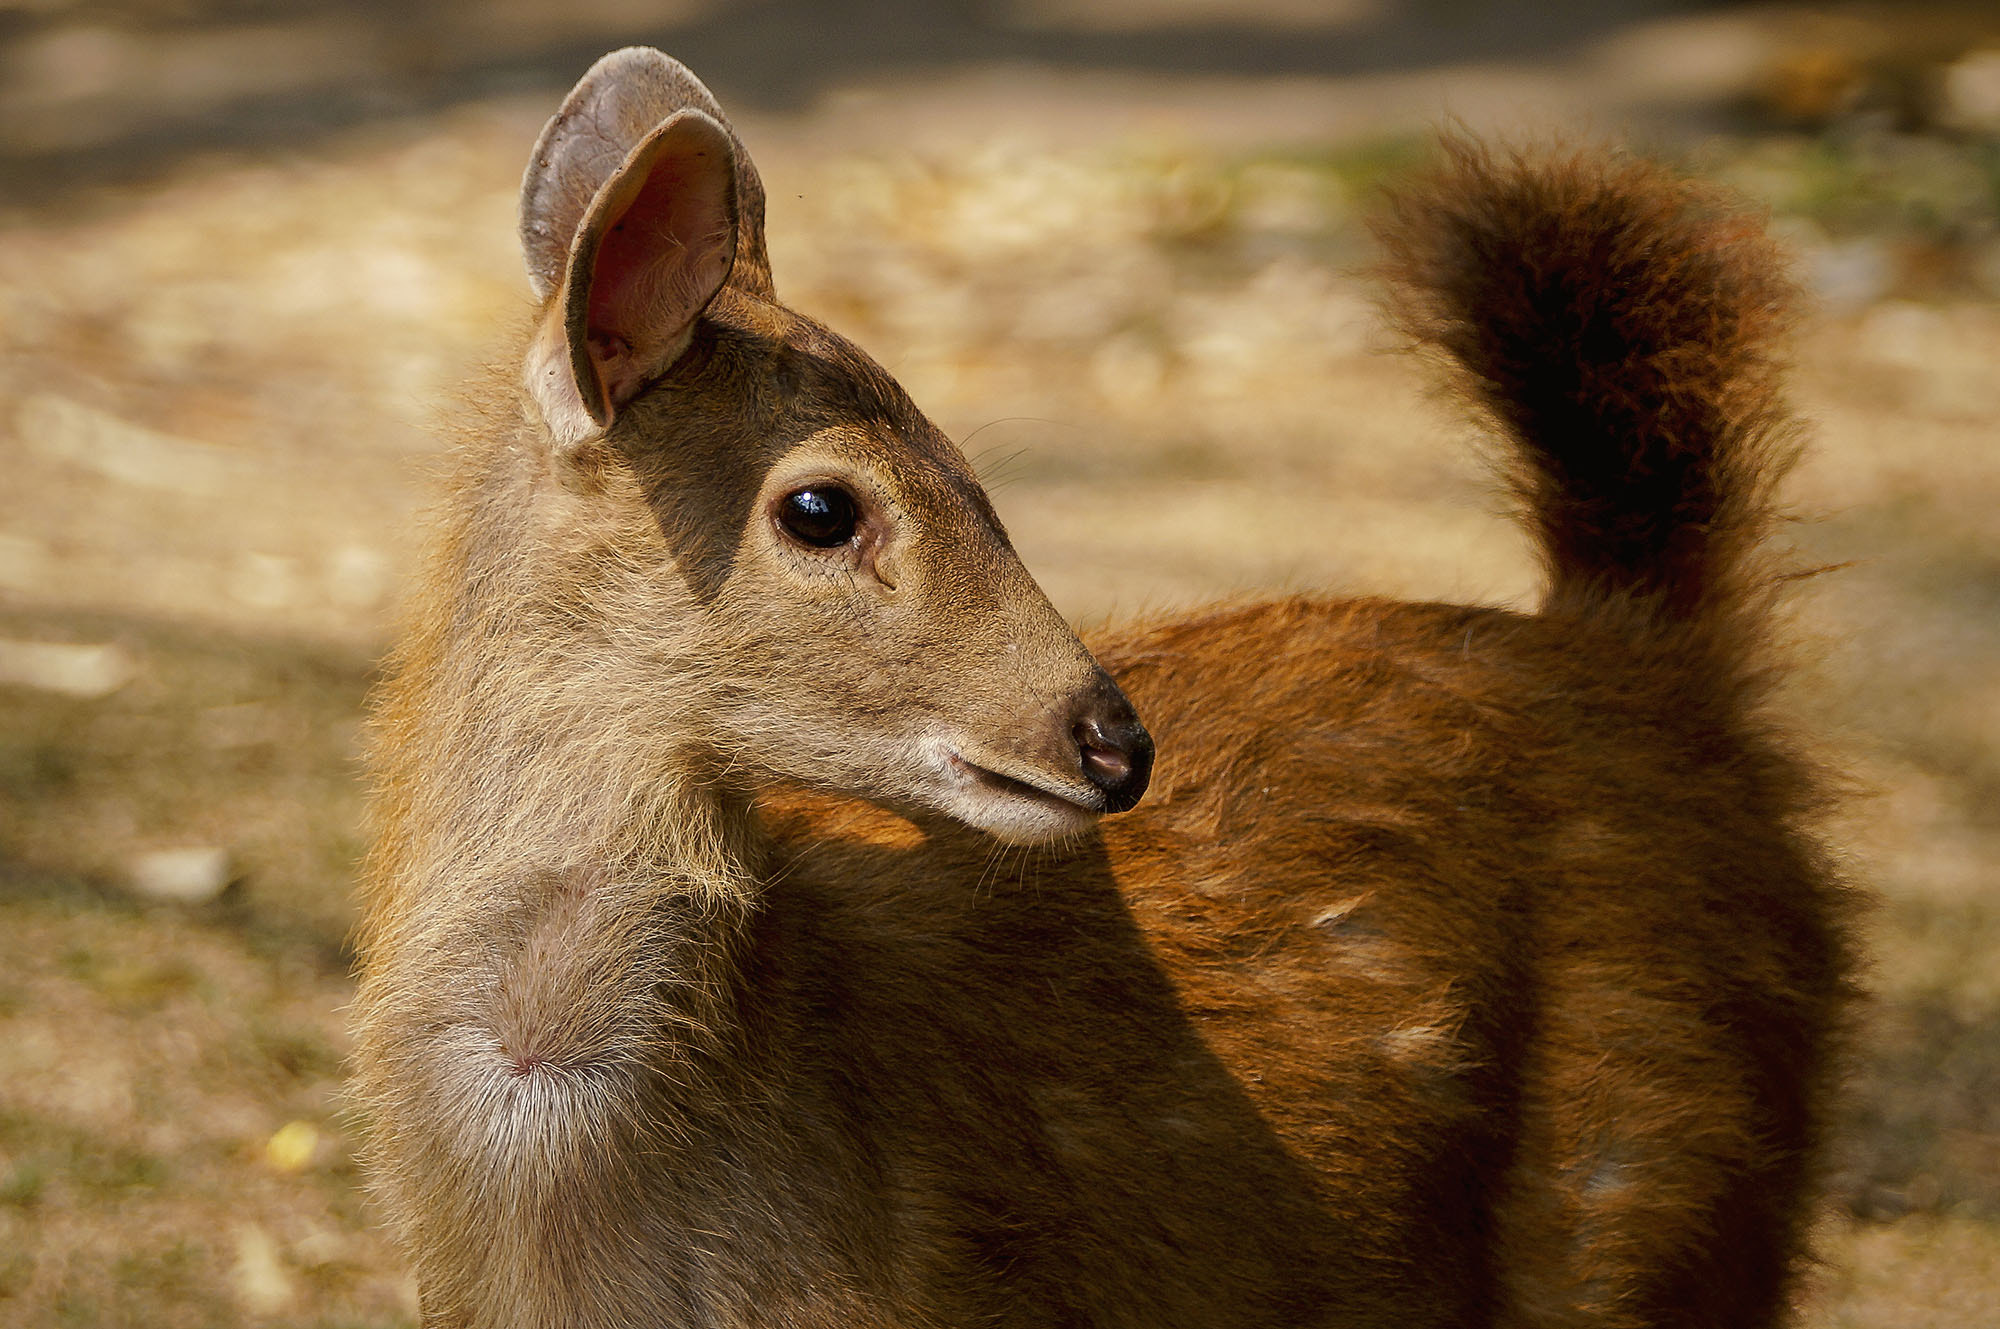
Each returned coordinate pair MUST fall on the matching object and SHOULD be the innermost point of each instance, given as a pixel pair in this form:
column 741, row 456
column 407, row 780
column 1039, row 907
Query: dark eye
column 822, row 518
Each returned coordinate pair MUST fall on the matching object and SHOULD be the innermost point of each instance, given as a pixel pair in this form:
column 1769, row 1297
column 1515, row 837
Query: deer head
column 804, row 559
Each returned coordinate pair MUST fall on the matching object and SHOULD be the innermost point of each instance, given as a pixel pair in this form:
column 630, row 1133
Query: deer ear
column 650, row 249
column 619, row 100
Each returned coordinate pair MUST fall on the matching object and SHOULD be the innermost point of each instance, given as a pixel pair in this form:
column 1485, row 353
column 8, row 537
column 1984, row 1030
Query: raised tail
column 1620, row 326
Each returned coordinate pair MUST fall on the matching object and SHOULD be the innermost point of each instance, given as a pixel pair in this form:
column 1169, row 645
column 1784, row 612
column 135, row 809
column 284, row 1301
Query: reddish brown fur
column 1463, row 967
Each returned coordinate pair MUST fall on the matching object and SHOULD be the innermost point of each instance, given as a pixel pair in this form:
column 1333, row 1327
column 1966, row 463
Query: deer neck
column 575, row 744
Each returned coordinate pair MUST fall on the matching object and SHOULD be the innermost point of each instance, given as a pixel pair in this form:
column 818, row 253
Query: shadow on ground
column 120, row 90
column 220, row 739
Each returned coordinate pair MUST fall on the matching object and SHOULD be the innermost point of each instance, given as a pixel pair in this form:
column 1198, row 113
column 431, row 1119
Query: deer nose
column 1115, row 749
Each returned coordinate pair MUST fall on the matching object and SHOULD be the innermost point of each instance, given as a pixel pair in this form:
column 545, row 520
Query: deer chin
column 1013, row 804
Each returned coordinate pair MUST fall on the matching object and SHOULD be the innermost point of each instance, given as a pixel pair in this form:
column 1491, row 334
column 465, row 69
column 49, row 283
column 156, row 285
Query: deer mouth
column 1012, row 804
column 1014, row 786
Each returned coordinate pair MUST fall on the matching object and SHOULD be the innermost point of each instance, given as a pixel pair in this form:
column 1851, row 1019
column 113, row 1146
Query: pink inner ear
column 660, row 260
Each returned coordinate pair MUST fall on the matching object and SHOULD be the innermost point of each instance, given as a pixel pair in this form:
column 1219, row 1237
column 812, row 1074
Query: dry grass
column 214, row 404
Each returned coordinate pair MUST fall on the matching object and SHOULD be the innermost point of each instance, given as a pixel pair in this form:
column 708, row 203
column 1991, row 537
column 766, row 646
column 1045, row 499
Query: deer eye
column 822, row 517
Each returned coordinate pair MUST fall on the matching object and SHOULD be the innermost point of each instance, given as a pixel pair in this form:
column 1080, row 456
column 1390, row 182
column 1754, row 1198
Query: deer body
column 1462, row 968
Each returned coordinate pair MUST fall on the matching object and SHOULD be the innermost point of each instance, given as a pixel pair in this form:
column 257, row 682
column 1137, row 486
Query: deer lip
column 1017, row 787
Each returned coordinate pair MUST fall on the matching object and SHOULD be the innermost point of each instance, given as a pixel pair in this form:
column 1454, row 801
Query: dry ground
column 220, row 386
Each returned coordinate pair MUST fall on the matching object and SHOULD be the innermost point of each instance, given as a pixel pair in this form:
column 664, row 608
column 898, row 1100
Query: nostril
column 1102, row 763
column 1117, row 757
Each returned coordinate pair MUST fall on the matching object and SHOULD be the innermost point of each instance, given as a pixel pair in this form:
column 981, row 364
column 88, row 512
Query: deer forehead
column 773, row 400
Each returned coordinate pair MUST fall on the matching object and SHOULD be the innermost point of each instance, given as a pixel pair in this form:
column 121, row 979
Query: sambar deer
column 1464, row 967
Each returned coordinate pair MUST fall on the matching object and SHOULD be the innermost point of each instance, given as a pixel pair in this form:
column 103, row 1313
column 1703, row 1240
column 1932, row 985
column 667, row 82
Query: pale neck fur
column 538, row 763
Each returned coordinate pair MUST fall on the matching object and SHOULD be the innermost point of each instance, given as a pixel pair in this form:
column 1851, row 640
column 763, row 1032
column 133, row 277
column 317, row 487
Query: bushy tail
column 1619, row 325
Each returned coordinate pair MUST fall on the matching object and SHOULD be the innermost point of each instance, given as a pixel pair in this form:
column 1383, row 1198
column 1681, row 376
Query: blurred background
column 249, row 250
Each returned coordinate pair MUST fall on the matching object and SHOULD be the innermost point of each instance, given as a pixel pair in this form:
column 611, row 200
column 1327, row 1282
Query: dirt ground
column 250, row 251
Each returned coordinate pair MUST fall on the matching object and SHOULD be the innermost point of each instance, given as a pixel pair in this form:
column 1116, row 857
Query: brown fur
column 1462, row 968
